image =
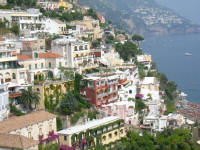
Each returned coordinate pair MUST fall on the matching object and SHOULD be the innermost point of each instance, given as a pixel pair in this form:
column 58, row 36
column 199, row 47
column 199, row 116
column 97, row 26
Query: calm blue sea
column 168, row 53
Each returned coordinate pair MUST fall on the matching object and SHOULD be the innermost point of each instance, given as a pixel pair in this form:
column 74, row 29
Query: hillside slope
column 144, row 17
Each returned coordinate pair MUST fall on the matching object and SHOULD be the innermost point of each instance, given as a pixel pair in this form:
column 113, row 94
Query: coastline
column 168, row 53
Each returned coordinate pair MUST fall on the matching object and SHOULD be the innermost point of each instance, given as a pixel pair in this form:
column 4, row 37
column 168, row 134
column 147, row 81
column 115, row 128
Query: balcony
column 81, row 59
column 105, row 94
column 87, row 67
column 99, row 95
column 31, row 22
column 12, row 58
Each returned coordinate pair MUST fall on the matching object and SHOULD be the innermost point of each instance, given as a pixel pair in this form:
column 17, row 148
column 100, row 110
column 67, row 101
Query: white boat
column 188, row 54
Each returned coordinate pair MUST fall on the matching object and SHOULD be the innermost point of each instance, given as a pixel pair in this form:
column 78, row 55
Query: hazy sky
column 187, row 8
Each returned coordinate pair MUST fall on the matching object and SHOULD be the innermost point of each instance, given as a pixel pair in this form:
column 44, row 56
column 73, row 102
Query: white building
column 31, row 20
column 155, row 122
column 160, row 122
column 76, row 53
column 40, row 67
column 11, row 73
column 55, row 26
column 4, row 103
column 145, row 59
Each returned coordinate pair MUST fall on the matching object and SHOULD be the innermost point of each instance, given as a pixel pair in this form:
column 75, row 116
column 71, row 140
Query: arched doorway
column 50, row 75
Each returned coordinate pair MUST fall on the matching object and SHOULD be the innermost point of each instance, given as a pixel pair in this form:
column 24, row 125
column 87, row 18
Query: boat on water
column 188, row 54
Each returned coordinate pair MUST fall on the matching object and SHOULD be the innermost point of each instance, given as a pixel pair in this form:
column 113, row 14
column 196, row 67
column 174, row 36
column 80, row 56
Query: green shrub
column 59, row 123
column 92, row 114
column 15, row 111
column 76, row 117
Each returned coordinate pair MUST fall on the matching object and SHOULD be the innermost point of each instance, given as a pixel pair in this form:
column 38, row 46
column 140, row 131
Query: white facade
column 55, row 26
column 156, row 123
column 76, row 53
column 11, row 73
column 4, row 104
column 31, row 20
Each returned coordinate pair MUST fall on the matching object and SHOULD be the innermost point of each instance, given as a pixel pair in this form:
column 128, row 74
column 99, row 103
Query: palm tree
column 29, row 97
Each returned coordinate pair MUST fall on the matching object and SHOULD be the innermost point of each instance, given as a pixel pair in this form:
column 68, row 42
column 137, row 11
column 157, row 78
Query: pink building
column 124, row 110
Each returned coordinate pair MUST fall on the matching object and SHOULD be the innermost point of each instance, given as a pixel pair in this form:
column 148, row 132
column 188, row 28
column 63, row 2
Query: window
column 29, row 67
column 35, row 66
column 110, row 135
column 14, row 76
column 75, row 48
column 50, row 127
column 130, row 91
column 121, row 131
column 49, row 65
column 3, row 65
column 42, row 65
column 86, row 47
column 40, row 131
column 65, row 138
column 102, row 82
column 104, row 138
column 116, row 133
column 29, row 135
column 92, row 93
column 21, row 75
column 129, row 121
column 60, row 64
column 35, row 55
column 80, row 47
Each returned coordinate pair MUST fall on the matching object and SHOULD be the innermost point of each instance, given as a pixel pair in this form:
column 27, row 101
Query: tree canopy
column 137, row 38
column 29, row 97
column 127, row 50
column 179, row 139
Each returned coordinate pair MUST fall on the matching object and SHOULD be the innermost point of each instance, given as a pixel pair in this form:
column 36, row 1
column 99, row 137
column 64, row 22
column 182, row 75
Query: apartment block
column 102, row 131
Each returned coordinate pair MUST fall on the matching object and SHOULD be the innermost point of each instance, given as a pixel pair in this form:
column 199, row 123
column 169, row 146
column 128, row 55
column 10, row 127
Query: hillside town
column 69, row 80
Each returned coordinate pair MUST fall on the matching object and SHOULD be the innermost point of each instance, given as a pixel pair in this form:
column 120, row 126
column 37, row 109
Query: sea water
column 168, row 53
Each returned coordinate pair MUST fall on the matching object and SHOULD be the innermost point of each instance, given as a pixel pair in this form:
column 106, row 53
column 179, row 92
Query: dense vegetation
column 169, row 87
column 68, row 16
column 22, row 3
column 179, row 139
column 4, row 29
column 72, row 101
column 127, row 50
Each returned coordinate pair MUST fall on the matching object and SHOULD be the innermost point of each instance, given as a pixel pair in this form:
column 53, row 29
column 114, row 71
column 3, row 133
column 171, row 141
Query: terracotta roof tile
column 49, row 55
column 23, row 57
column 23, row 121
column 2, row 39
column 16, row 141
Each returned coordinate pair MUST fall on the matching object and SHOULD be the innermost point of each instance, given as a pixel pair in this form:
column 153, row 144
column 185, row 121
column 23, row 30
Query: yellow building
column 102, row 131
column 150, row 83
column 38, row 126
column 89, row 27
column 64, row 4
column 51, row 91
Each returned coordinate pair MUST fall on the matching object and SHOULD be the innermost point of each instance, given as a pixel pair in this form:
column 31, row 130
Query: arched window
column 121, row 131
column 14, row 76
column 49, row 65
column 104, row 138
column 116, row 133
column 129, row 121
column 110, row 135
column 35, row 55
